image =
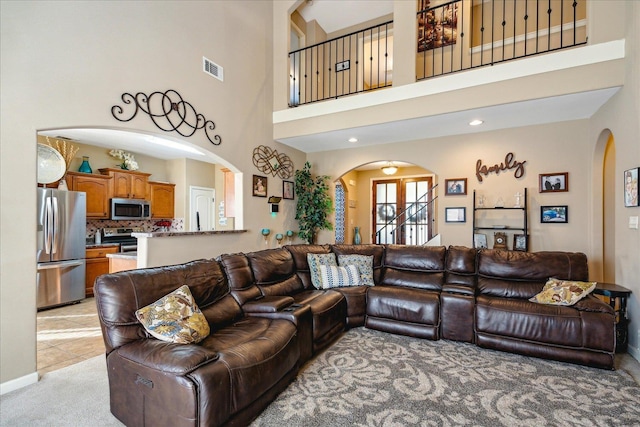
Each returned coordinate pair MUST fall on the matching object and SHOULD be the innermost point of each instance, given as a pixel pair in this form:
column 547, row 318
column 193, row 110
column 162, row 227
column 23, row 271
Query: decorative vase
column 357, row 239
column 85, row 166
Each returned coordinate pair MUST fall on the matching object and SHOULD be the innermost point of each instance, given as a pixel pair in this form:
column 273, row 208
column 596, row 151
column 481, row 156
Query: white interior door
column 202, row 203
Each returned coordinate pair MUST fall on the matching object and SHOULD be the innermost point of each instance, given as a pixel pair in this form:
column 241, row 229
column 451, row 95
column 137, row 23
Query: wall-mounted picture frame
column 553, row 182
column 558, row 214
column 288, row 190
column 259, row 186
column 455, row 187
column 631, row 187
column 480, row 241
column 455, row 214
column 520, row 242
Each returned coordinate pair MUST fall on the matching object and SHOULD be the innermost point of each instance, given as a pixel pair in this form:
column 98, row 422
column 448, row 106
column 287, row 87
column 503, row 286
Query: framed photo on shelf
column 554, row 214
column 455, row 214
column 480, row 240
column 288, row 190
column 259, row 186
column 455, row 187
column 553, row 182
column 631, row 187
column 520, row 242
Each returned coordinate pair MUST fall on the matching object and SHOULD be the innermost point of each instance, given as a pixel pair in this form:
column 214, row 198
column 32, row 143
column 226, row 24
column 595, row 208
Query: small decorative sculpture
column 480, row 201
column 265, row 232
column 289, row 234
column 499, row 203
column 279, row 238
column 518, row 196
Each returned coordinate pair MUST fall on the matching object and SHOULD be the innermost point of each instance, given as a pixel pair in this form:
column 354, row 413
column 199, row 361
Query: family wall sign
column 509, row 163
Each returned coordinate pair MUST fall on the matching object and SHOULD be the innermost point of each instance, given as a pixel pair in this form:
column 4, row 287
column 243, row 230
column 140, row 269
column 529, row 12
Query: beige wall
column 94, row 52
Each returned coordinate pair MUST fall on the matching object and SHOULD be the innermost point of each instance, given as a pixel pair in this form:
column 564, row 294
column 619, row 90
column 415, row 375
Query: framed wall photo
column 455, row 214
column 259, row 186
column 553, row 182
column 455, row 187
column 288, row 190
column 480, row 241
column 520, row 242
column 631, row 187
column 554, row 214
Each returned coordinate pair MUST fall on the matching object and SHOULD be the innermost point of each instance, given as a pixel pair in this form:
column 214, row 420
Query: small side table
column 618, row 296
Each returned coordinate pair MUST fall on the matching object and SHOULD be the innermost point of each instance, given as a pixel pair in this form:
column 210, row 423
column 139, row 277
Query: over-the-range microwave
column 130, row 209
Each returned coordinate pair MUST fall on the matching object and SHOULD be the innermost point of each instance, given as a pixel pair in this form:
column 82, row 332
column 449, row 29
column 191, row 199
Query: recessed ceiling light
column 353, row 139
column 475, row 122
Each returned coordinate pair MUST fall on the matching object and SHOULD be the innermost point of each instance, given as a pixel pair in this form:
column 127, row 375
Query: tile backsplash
column 149, row 226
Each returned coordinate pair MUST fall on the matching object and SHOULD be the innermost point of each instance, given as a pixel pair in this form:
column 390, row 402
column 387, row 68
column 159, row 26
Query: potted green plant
column 314, row 203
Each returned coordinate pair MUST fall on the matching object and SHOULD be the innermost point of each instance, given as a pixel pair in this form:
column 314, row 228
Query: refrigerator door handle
column 48, row 225
column 50, row 265
column 56, row 226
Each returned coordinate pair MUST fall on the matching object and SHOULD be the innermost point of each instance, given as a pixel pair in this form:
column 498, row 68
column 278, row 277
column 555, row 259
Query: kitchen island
column 122, row 261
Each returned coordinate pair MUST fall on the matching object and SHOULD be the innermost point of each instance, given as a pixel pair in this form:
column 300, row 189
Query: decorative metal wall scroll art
column 270, row 161
column 509, row 163
column 169, row 112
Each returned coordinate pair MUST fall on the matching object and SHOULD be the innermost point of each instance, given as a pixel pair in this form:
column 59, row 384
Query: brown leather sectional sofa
column 267, row 319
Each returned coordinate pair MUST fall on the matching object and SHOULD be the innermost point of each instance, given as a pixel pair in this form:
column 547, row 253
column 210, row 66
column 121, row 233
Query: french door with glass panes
column 402, row 211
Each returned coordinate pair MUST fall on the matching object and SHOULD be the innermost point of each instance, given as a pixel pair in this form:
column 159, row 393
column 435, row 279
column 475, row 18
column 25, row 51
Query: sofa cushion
column 175, row 318
column 339, row 277
column 364, row 264
column 414, row 266
column 404, row 304
column 563, row 292
column 315, row 261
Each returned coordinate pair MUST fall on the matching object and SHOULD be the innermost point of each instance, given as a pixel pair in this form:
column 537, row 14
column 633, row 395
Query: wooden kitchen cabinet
column 98, row 189
column 97, row 264
column 128, row 184
column 162, row 196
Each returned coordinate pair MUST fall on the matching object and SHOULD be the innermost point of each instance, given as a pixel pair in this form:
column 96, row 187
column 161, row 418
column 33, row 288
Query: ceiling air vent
column 212, row 69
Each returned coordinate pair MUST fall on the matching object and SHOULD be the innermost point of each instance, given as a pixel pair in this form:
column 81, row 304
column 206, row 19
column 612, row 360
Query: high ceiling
column 352, row 12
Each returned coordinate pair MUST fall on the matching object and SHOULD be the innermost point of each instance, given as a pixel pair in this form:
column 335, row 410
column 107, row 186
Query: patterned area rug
column 370, row 378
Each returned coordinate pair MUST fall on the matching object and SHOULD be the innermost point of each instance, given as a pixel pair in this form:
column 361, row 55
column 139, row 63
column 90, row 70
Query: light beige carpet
column 371, row 378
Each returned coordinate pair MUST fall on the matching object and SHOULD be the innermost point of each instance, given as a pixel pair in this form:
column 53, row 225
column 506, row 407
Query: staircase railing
column 406, row 221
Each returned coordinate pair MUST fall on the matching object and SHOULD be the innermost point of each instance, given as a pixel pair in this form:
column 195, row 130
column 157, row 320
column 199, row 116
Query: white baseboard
column 24, row 381
column 634, row 352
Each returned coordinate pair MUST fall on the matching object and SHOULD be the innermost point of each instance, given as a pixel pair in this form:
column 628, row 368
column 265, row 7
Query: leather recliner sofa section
column 266, row 320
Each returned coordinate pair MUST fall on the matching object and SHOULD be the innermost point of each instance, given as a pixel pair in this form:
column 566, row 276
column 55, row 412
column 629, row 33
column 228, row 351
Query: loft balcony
column 523, row 62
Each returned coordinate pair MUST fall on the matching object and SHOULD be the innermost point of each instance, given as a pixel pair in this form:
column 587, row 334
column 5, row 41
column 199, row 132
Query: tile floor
column 68, row 335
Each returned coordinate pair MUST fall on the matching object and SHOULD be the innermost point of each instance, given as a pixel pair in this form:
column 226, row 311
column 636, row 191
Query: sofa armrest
column 457, row 289
column 176, row 359
column 267, row 304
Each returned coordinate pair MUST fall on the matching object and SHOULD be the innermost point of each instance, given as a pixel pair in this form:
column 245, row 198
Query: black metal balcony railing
column 466, row 34
column 354, row 63
column 454, row 36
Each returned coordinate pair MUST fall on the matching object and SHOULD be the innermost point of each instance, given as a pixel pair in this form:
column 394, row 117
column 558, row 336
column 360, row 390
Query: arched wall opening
column 355, row 205
column 603, row 209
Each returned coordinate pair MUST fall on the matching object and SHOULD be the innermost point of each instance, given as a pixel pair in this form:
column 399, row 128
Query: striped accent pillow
column 338, row 277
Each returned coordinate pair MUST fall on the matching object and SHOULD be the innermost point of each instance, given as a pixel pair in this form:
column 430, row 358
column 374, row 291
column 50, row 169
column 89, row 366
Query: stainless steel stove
column 123, row 236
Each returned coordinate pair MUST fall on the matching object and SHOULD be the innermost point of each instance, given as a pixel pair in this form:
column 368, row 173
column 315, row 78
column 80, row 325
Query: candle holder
column 265, row 232
column 289, row 234
column 279, row 238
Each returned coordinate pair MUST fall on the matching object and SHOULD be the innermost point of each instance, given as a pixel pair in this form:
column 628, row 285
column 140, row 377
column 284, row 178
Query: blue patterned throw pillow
column 364, row 264
column 339, row 277
column 315, row 261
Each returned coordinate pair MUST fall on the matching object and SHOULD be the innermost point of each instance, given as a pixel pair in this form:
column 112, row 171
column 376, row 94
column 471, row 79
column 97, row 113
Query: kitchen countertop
column 124, row 255
column 101, row 245
column 186, row 233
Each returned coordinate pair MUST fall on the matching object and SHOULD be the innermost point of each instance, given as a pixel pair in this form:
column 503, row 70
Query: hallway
column 68, row 335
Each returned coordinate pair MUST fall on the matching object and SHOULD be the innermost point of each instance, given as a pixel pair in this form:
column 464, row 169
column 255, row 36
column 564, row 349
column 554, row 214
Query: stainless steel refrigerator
column 61, row 247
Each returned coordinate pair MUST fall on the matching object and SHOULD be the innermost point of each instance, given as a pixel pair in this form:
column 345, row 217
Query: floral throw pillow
column 339, row 277
column 364, row 264
column 175, row 318
column 315, row 261
column 563, row 292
